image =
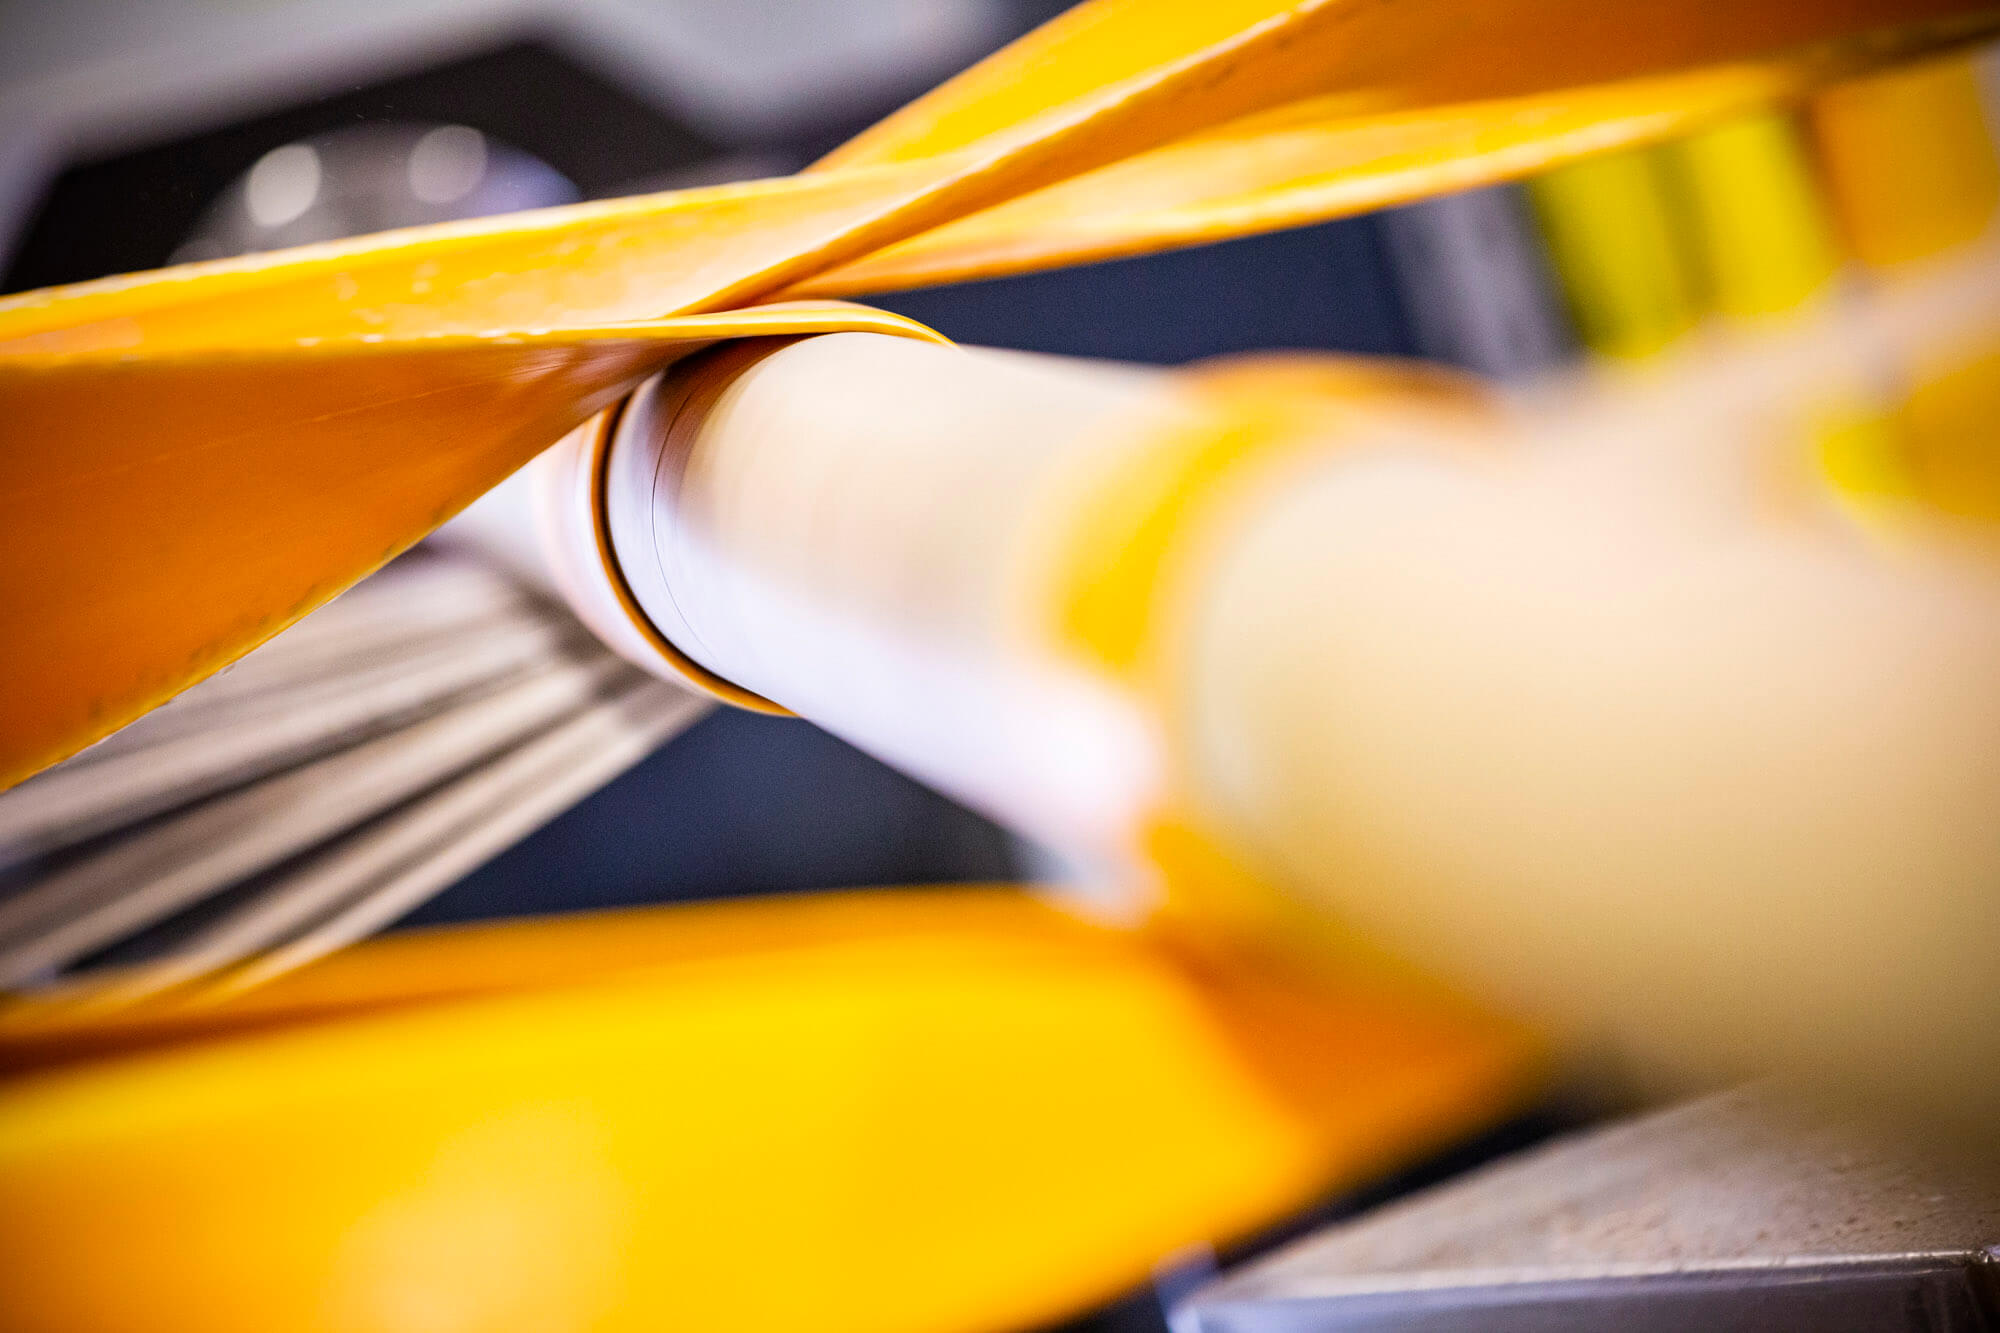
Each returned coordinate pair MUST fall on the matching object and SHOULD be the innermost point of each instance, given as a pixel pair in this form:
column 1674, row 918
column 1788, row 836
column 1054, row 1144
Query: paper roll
column 1591, row 707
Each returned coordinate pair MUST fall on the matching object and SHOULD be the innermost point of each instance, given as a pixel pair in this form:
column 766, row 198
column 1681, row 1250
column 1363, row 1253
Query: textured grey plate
column 1725, row 1214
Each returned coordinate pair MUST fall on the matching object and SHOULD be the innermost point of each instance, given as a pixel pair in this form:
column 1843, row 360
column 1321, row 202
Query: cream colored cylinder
column 1706, row 789
column 847, row 535
column 1591, row 723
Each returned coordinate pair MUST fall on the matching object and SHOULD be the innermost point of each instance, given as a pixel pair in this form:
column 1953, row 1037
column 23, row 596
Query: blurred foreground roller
column 898, row 1111
column 1597, row 701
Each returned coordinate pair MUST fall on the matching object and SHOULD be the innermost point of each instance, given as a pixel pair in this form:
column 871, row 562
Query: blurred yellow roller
column 935, row 1111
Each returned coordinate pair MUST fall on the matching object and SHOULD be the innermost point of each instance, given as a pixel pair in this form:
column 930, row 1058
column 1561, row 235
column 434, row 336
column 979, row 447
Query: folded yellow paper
column 951, row 1110
column 167, row 433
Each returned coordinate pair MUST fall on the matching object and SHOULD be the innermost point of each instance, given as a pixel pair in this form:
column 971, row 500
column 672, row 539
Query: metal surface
column 1730, row 1213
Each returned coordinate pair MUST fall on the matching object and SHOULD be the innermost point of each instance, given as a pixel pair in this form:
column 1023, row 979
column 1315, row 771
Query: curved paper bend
column 205, row 500
column 198, row 456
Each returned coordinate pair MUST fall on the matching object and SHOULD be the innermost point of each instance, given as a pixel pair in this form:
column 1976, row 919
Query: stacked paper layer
column 322, row 787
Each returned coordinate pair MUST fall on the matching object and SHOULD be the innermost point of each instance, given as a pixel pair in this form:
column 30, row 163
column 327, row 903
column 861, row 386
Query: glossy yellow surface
column 1913, row 166
column 485, row 958
column 1619, row 252
column 1954, row 456
column 1328, row 156
column 1762, row 234
column 1763, row 240
column 919, row 1111
column 1910, row 159
column 198, row 456
column 1179, row 66
column 160, row 542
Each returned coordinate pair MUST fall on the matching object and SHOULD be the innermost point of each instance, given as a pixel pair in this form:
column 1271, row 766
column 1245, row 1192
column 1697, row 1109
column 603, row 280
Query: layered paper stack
column 324, row 785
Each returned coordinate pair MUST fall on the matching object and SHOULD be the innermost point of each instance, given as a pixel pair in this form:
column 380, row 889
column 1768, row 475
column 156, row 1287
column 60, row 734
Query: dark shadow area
column 129, row 212
column 1324, row 288
column 741, row 804
column 1145, row 1311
